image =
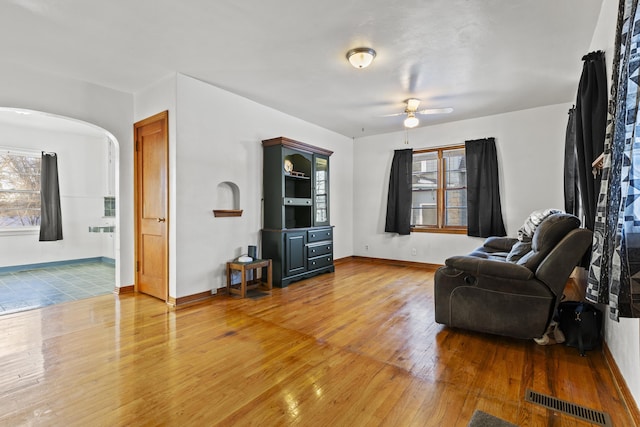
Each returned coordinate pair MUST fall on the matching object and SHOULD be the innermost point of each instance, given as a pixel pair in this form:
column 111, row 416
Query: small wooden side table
column 256, row 282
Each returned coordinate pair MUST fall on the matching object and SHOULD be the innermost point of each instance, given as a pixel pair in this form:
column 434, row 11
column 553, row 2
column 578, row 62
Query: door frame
column 162, row 116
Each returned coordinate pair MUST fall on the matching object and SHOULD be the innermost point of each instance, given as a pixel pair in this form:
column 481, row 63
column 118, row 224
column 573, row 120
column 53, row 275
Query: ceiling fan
column 412, row 109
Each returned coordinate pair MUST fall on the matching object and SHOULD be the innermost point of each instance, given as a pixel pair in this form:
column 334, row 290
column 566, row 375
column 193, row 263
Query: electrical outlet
column 414, row 252
column 366, row 248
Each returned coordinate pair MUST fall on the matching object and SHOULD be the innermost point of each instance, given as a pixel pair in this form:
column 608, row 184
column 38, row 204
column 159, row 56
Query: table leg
column 269, row 272
column 243, row 282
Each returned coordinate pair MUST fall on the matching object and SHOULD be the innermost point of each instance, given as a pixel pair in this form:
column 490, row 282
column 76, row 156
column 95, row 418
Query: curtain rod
column 14, row 150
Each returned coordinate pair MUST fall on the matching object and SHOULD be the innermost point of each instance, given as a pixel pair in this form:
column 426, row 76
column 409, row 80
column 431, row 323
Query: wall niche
column 228, row 198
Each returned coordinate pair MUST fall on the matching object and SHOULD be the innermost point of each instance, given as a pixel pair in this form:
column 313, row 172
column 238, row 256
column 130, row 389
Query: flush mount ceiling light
column 361, row 57
column 411, row 121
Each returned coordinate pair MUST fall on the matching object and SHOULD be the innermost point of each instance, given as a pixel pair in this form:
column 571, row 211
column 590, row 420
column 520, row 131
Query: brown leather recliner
column 484, row 292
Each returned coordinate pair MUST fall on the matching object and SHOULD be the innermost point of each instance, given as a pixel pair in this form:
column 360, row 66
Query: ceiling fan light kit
column 411, row 121
column 411, row 110
column 412, row 104
column 361, row 57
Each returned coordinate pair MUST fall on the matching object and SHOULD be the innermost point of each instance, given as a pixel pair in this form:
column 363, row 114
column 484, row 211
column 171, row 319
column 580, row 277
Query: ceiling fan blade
column 393, row 115
column 436, row 111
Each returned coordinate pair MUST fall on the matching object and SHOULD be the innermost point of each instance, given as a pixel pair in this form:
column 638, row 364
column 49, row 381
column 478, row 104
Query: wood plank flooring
column 358, row 347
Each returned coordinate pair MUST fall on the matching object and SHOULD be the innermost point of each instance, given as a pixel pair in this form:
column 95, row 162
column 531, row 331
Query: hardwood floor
column 358, row 347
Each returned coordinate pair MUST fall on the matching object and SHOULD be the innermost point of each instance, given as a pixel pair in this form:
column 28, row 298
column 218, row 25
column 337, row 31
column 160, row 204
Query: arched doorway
column 89, row 164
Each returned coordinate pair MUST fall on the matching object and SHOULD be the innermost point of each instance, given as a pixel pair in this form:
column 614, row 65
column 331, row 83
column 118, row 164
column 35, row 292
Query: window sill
column 439, row 230
column 19, row 231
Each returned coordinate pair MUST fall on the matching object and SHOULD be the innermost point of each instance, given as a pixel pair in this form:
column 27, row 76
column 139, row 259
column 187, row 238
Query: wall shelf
column 227, row 212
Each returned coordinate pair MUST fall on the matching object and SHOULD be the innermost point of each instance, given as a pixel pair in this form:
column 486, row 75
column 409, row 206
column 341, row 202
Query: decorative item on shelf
column 294, row 173
column 288, row 166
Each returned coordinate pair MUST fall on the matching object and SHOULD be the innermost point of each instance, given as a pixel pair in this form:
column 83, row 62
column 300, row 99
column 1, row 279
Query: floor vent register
column 578, row 411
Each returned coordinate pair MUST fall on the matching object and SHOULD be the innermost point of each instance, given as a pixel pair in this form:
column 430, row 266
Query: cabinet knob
column 313, row 235
column 308, row 202
column 289, row 201
column 328, row 247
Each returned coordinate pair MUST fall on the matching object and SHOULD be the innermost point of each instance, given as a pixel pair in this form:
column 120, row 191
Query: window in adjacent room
column 439, row 190
column 19, row 189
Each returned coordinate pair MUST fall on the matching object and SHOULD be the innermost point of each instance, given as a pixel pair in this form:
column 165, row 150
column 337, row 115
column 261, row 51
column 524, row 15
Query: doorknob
column 162, row 219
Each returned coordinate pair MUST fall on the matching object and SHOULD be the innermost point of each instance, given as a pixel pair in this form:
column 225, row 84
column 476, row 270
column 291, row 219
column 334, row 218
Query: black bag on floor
column 581, row 324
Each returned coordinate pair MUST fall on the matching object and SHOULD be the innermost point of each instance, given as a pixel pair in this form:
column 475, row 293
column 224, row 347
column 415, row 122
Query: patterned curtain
column 614, row 274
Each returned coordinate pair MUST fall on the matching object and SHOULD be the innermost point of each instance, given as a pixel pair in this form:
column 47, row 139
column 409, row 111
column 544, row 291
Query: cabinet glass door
column 321, row 177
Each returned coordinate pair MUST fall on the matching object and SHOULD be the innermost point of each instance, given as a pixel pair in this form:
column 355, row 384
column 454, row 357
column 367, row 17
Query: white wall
column 83, row 177
column 530, row 147
column 218, row 138
column 623, row 338
column 159, row 97
column 110, row 109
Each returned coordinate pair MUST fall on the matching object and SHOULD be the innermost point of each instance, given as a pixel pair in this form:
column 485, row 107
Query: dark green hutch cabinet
column 296, row 235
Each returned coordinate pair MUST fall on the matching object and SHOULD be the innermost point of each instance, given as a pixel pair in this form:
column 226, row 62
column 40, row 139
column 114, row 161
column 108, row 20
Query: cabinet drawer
column 296, row 201
column 320, row 235
column 317, row 250
column 319, row 262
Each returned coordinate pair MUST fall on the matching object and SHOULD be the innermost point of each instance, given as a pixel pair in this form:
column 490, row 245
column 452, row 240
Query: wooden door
column 151, row 205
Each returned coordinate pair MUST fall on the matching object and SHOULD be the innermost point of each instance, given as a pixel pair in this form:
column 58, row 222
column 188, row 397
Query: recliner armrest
column 503, row 244
column 489, row 267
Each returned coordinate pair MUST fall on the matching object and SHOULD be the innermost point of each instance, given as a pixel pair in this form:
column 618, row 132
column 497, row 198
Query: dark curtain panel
column 50, row 213
column 399, row 198
column 484, row 213
column 590, row 124
column 573, row 202
column 571, row 192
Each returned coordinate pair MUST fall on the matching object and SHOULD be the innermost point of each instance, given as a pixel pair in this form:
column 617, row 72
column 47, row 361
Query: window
column 19, row 189
column 439, row 190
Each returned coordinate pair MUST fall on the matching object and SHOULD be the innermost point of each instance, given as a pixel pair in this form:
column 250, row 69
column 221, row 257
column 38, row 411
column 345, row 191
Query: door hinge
column 137, row 145
column 137, row 265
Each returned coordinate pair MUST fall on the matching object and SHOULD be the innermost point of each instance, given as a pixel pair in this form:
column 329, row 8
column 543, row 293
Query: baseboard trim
column 190, row 299
column 385, row 261
column 621, row 384
column 16, row 268
column 342, row 260
column 124, row 290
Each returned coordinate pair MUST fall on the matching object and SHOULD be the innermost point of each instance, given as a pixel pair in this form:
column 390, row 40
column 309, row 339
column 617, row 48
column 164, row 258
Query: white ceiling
column 480, row 57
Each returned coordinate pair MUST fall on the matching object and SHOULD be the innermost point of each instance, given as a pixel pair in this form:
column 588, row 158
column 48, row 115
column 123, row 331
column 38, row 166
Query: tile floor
column 26, row 290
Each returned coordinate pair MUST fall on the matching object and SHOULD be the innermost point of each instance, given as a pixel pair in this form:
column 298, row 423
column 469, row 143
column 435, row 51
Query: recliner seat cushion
column 518, row 250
